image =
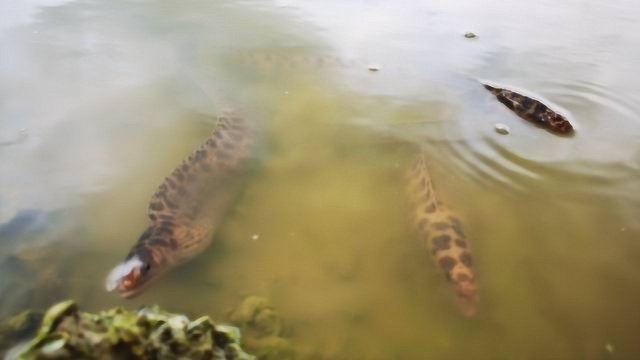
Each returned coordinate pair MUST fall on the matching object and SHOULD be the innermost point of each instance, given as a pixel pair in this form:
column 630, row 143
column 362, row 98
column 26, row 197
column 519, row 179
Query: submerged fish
column 188, row 207
column 443, row 236
column 532, row 110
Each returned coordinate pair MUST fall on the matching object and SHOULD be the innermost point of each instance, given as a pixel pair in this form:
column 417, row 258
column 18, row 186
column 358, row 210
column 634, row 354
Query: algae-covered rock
column 262, row 327
column 150, row 333
column 273, row 348
column 255, row 314
column 18, row 328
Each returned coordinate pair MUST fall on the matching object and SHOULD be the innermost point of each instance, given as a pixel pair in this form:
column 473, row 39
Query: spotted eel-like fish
column 532, row 110
column 443, row 236
column 188, row 207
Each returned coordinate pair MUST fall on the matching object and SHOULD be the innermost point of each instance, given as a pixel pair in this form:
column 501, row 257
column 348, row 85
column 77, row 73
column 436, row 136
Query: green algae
column 67, row 333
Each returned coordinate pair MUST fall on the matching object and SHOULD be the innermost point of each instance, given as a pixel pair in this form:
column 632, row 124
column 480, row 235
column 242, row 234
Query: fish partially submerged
column 532, row 110
column 443, row 236
column 188, row 206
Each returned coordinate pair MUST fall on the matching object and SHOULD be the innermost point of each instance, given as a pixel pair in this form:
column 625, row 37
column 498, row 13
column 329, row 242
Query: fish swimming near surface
column 532, row 110
column 187, row 208
column 442, row 234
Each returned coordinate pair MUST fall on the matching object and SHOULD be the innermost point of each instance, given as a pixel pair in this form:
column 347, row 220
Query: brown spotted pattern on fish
column 532, row 110
column 188, row 206
column 442, row 234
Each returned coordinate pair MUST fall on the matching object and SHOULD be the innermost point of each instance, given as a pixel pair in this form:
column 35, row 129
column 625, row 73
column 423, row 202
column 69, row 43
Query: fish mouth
column 126, row 278
column 129, row 294
column 126, row 293
column 127, row 281
column 116, row 286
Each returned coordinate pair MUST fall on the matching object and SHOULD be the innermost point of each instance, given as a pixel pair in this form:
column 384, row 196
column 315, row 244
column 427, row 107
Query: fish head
column 134, row 274
column 467, row 297
column 560, row 123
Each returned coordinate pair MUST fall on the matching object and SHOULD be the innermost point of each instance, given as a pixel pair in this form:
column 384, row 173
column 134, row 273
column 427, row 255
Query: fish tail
column 420, row 186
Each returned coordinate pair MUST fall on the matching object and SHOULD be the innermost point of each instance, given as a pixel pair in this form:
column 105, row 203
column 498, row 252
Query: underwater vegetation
column 151, row 333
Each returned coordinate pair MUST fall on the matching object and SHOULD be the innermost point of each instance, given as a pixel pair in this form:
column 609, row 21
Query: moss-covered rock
column 262, row 327
column 18, row 328
column 272, row 348
column 256, row 315
column 150, row 333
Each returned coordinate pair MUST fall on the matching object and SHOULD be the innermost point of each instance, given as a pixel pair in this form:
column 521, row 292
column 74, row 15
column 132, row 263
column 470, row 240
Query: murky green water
column 99, row 100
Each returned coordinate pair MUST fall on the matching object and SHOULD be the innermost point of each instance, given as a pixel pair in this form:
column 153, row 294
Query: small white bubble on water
column 502, row 129
column 609, row 347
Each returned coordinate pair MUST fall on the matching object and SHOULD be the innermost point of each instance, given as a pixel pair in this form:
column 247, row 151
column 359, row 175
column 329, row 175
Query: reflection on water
column 113, row 94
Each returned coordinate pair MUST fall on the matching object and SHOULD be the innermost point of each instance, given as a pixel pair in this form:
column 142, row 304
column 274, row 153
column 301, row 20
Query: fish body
column 532, row 110
column 187, row 208
column 441, row 232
